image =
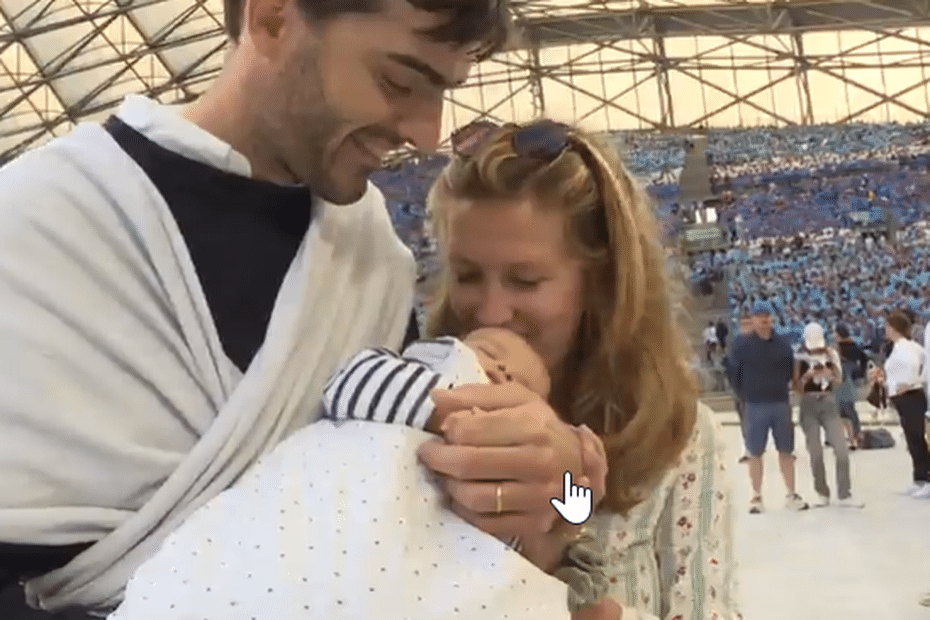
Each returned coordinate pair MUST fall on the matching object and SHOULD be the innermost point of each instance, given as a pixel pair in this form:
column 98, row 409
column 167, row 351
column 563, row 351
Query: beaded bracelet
column 583, row 569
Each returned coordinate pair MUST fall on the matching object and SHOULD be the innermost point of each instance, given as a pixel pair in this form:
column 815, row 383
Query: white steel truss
column 609, row 64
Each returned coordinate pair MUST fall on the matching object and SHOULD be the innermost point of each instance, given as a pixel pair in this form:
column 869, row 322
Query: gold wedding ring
column 500, row 498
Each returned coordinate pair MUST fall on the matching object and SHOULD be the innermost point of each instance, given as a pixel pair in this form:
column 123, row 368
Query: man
column 854, row 365
column 710, row 342
column 745, row 328
column 723, row 332
column 175, row 297
column 763, row 368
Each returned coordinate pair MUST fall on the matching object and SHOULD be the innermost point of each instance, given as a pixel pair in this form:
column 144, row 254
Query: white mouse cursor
column 577, row 504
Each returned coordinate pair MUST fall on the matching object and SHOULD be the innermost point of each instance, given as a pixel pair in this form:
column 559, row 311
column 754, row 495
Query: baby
column 380, row 386
column 341, row 522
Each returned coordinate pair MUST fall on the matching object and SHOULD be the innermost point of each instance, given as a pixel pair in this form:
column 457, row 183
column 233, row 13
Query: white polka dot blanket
column 339, row 522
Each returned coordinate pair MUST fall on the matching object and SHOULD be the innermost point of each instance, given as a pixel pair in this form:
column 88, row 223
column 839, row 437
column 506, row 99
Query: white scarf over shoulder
column 120, row 414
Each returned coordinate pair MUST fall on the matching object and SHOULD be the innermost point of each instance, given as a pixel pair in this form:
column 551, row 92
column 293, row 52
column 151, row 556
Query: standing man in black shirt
column 312, row 95
column 763, row 366
column 723, row 332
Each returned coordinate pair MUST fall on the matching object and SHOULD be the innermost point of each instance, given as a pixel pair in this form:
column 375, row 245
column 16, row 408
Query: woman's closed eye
column 468, row 277
column 525, row 283
column 520, row 282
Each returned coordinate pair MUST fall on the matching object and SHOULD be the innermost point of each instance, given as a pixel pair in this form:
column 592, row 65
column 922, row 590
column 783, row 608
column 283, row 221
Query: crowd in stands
column 791, row 198
column 837, row 277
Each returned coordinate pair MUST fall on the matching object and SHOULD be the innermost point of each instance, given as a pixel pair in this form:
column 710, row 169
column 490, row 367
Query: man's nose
column 421, row 126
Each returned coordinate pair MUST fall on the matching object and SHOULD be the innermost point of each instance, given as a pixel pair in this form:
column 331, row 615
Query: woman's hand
column 593, row 462
column 513, row 456
column 547, row 550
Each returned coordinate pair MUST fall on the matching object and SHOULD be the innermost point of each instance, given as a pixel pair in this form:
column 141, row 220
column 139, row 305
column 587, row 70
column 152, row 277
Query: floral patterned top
column 671, row 558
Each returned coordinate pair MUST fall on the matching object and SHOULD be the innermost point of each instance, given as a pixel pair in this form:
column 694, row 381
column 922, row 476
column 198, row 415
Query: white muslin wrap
column 120, row 415
column 339, row 522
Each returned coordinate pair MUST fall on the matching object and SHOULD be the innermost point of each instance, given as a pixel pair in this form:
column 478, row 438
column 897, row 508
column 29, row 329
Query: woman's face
column 511, row 267
column 890, row 332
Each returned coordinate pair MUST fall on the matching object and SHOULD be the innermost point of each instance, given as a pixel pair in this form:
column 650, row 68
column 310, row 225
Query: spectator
column 905, row 386
column 722, row 333
column 817, row 372
column 853, row 366
column 763, row 368
column 710, row 341
column 745, row 328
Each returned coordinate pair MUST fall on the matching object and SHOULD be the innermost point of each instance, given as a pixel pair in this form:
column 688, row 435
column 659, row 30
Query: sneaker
column 923, row 492
column 794, row 502
column 850, row 502
column 755, row 506
column 822, row 501
column 912, row 488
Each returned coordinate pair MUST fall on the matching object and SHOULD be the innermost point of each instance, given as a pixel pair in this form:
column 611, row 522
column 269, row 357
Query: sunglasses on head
column 544, row 140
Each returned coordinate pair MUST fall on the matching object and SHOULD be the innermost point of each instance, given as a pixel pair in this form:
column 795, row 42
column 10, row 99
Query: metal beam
column 801, row 66
column 722, row 20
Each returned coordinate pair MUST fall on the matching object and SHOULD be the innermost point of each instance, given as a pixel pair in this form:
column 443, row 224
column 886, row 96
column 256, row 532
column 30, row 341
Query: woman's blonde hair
column 631, row 383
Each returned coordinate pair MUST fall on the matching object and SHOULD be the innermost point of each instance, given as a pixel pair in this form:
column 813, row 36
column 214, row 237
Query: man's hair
column 484, row 25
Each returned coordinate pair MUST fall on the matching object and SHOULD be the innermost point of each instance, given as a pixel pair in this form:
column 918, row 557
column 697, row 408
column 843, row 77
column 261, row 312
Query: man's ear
column 263, row 22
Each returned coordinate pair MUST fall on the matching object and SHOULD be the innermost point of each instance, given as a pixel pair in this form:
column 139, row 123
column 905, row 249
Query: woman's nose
column 494, row 308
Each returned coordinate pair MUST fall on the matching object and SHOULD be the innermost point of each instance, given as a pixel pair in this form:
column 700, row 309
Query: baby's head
column 504, row 356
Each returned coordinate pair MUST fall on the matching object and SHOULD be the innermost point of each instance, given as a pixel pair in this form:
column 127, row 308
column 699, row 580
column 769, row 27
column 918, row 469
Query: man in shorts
column 745, row 328
column 763, row 363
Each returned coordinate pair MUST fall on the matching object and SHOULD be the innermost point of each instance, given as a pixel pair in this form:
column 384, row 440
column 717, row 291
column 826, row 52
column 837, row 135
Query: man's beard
column 302, row 125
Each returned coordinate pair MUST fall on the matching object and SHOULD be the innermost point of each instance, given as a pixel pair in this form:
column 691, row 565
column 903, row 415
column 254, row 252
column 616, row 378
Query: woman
column 817, row 373
column 903, row 375
column 544, row 232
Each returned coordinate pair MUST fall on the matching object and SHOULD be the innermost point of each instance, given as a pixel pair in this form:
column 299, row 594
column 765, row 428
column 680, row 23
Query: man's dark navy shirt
column 762, row 369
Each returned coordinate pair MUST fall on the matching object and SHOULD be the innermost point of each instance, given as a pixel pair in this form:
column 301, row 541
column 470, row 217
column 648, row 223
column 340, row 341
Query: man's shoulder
column 744, row 341
column 72, row 167
column 783, row 342
column 83, row 143
column 80, row 184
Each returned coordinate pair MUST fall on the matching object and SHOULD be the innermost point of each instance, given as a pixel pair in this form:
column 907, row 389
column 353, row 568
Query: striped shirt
column 379, row 385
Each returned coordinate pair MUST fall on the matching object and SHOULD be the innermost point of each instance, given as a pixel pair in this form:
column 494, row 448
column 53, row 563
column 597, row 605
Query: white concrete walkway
column 833, row 563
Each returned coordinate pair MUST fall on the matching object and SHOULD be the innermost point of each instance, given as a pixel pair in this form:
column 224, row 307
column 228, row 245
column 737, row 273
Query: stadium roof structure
column 609, row 64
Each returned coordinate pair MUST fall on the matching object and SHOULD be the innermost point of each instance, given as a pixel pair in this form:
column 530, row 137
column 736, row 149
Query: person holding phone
column 818, row 372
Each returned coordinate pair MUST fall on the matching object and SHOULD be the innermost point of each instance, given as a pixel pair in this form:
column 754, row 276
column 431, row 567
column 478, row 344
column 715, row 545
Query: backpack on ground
column 876, row 439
